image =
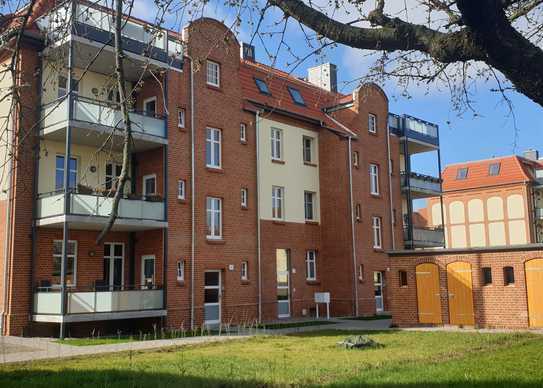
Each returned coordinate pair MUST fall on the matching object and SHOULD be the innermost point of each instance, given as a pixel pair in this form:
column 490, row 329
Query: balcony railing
column 103, row 114
column 425, row 237
column 48, row 302
column 101, row 206
column 420, row 182
column 414, row 128
column 538, row 213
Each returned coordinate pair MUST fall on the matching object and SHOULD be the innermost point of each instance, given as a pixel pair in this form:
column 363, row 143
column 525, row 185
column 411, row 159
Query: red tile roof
column 513, row 169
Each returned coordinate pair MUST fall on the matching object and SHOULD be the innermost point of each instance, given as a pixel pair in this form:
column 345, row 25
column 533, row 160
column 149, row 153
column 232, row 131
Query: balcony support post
column 441, row 195
column 408, row 185
column 66, row 180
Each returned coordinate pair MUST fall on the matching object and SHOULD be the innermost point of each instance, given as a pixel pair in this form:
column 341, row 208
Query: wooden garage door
column 428, row 298
column 460, row 294
column 534, row 287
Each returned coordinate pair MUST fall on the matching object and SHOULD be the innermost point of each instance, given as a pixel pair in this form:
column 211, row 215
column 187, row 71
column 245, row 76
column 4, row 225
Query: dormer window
column 462, row 173
column 494, row 169
column 296, row 96
column 262, row 86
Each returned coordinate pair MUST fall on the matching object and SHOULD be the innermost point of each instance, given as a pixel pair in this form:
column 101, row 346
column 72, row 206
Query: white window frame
column 244, row 270
column 356, row 158
column 213, row 70
column 361, row 272
column 304, row 148
column 311, row 265
column 276, row 138
column 243, row 132
column 144, row 258
column 112, row 258
column 114, row 177
column 374, row 179
column 372, row 123
column 244, row 197
column 358, row 212
column 181, row 189
column 145, row 179
column 69, row 171
column 74, row 284
column 147, row 100
column 376, row 227
column 278, row 202
column 313, row 207
column 215, row 160
column 180, row 268
column 210, row 219
column 181, row 115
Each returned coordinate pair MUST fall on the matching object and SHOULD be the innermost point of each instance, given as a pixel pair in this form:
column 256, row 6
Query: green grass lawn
column 406, row 359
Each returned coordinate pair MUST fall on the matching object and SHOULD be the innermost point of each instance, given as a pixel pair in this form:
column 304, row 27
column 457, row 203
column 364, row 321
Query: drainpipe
column 193, row 194
column 351, row 203
column 258, row 240
column 165, row 190
column 393, row 232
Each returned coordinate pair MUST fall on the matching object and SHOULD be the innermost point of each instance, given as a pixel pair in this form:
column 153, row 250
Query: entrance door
column 212, row 297
column 113, row 265
column 378, row 286
column 147, row 271
column 283, row 283
column 534, row 288
column 428, row 297
column 460, row 294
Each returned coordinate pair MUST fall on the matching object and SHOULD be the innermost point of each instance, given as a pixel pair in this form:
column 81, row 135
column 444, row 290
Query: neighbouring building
column 249, row 189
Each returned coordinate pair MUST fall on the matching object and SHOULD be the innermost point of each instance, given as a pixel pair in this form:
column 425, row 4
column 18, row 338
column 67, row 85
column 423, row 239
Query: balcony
column 91, row 212
column 538, row 213
column 94, row 121
column 422, row 136
column 421, row 186
column 93, row 305
column 425, row 237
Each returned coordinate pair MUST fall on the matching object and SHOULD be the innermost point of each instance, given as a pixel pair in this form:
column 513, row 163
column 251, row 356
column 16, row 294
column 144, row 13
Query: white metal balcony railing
column 421, row 182
column 94, row 205
column 426, row 236
column 101, row 113
column 93, row 302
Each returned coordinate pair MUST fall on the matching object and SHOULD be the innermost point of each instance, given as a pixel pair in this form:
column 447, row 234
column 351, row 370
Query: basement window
column 296, row 96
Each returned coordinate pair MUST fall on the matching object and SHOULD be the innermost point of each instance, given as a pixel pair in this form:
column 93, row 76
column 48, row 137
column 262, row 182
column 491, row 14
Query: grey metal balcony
column 420, row 185
column 425, row 237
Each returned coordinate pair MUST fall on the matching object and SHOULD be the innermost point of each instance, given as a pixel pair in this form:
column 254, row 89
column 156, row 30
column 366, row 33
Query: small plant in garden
column 359, row 342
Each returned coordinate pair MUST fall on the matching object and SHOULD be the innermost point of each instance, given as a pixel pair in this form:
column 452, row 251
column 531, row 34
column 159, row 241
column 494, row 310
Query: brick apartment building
column 249, row 190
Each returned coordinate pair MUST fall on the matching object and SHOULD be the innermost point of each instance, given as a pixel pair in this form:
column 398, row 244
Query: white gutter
column 193, row 195
column 355, row 285
column 258, row 242
column 389, row 161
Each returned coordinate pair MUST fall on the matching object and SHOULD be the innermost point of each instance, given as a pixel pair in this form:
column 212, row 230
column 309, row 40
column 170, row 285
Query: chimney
column 248, row 52
column 531, row 154
column 324, row 76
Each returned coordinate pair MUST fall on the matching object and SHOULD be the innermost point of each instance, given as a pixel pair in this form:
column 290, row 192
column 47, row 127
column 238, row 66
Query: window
column 149, row 185
column 63, row 86
column 403, row 278
column 213, row 74
column 244, row 197
column 307, row 149
column 494, row 169
column 181, row 118
column 276, row 144
column 213, row 147
column 262, row 86
column 374, row 179
column 309, row 205
column 277, row 202
column 181, row 271
column 113, row 172
column 311, row 265
column 361, row 272
column 356, row 160
column 59, row 173
column 214, row 217
column 508, row 276
column 71, row 266
column 358, row 212
column 244, row 272
column 149, row 107
column 462, row 173
column 181, row 193
column 372, row 123
column 487, row 276
column 296, row 95
column 243, row 132
column 376, row 226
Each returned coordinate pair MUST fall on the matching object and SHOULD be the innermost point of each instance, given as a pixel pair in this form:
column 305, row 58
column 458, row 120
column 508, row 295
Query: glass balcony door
column 113, row 265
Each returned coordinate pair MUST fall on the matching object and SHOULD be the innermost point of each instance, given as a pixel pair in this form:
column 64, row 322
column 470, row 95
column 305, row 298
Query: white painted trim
column 111, row 265
column 144, row 179
column 149, row 100
column 142, row 273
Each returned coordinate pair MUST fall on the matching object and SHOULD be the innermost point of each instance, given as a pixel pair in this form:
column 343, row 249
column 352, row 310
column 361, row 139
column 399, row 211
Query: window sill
column 181, row 283
column 277, row 161
column 181, row 129
column 214, row 87
column 309, row 222
column 376, row 133
column 310, row 164
column 216, row 170
column 376, row 196
column 215, row 241
column 243, row 142
column 312, row 282
column 379, row 250
column 181, row 200
column 244, row 208
column 279, row 222
column 245, row 282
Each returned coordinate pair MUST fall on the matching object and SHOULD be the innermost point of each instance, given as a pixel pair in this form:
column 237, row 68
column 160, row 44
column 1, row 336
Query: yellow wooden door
column 428, row 298
column 534, row 288
column 460, row 294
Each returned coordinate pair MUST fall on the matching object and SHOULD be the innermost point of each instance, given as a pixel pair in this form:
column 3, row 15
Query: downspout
column 192, row 194
column 258, row 239
column 165, row 185
column 351, row 206
column 392, row 225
